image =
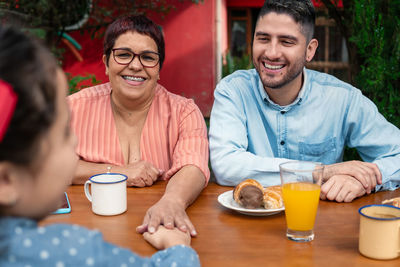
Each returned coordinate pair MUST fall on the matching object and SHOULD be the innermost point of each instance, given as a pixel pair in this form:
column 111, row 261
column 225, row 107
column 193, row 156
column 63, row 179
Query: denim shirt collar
column 299, row 99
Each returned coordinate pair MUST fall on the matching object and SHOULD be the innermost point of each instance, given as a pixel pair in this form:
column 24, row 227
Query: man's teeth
column 273, row 67
column 132, row 78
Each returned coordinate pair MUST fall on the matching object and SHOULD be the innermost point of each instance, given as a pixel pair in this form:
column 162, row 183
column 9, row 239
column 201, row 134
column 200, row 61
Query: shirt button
column 283, row 112
column 282, row 143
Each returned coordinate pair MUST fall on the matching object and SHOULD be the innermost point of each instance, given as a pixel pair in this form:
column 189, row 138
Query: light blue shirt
column 250, row 135
column 23, row 243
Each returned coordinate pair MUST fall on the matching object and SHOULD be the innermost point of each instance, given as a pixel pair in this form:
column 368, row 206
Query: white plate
column 226, row 200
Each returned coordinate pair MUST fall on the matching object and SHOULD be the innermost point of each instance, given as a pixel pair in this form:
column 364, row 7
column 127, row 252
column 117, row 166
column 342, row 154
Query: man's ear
column 311, row 49
column 8, row 184
column 105, row 63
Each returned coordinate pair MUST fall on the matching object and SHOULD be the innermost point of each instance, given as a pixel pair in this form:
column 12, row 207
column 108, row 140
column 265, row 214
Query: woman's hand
column 164, row 238
column 182, row 189
column 169, row 213
column 140, row 173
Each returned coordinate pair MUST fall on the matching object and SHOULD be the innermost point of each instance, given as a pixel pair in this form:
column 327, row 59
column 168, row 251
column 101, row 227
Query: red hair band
column 8, row 101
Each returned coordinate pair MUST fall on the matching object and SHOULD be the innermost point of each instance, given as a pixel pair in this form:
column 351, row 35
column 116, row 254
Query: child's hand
column 164, row 238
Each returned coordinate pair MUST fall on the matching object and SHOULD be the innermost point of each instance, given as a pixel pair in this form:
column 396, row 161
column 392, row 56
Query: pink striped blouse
column 174, row 133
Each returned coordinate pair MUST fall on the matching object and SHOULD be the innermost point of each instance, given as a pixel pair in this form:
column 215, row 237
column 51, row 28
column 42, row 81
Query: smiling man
column 281, row 111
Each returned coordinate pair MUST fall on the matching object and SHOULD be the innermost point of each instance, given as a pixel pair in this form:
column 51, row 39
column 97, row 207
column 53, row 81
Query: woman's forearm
column 186, row 185
column 86, row 169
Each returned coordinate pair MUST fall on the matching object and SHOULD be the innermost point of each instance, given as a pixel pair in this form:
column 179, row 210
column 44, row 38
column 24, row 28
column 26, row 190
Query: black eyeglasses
column 124, row 56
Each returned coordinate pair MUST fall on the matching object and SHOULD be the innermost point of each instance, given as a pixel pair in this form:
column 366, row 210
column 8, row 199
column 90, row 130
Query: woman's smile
column 133, row 80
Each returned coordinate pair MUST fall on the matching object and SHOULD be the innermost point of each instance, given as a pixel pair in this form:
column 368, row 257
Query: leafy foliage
column 378, row 41
column 55, row 16
column 235, row 63
column 48, row 19
column 371, row 29
column 76, row 83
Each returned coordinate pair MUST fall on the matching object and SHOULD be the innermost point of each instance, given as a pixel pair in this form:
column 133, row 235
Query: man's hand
column 368, row 174
column 140, row 173
column 342, row 188
column 169, row 213
column 164, row 238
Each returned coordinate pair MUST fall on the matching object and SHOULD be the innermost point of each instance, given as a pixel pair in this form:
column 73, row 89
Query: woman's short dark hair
column 30, row 69
column 133, row 23
column 302, row 11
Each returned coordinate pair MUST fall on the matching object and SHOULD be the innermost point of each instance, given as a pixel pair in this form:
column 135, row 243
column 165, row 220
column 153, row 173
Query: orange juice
column 301, row 203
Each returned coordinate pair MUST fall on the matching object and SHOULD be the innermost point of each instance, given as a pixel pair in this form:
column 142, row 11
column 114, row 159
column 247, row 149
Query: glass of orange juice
column 301, row 186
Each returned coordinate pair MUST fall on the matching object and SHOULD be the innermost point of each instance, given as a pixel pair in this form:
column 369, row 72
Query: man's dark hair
column 302, row 11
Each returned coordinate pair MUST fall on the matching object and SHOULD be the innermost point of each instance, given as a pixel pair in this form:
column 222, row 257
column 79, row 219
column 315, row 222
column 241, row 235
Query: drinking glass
column 301, row 187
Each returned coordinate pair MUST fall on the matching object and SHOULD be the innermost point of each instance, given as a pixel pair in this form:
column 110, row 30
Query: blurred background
column 359, row 41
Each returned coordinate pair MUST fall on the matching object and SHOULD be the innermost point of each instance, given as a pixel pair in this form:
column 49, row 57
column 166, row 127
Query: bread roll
column 272, row 197
column 394, row 202
column 249, row 194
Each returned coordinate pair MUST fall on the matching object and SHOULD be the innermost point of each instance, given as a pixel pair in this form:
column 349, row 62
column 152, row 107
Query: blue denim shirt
column 23, row 243
column 250, row 135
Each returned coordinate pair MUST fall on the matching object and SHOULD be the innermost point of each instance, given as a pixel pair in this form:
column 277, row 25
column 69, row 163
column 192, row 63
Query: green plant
column 235, row 63
column 371, row 29
column 378, row 43
column 76, row 83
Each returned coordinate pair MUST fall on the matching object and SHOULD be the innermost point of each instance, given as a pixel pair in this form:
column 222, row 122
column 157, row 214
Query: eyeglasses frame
column 134, row 56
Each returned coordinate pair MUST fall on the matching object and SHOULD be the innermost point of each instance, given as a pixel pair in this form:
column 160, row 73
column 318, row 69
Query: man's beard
column 292, row 73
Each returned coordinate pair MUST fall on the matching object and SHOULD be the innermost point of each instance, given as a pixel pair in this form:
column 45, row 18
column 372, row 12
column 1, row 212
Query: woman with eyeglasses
column 133, row 125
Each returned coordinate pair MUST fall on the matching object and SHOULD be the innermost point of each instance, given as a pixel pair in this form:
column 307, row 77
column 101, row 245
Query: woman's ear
column 105, row 63
column 8, row 185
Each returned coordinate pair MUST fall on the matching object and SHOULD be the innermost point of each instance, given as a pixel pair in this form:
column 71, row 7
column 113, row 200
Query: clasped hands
column 166, row 216
column 348, row 180
column 165, row 224
column 140, row 173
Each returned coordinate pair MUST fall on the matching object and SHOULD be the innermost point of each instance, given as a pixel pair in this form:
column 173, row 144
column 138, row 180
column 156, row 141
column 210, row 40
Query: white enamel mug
column 107, row 193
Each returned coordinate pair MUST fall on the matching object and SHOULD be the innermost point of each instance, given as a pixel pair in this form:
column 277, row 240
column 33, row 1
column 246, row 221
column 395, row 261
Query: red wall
column 189, row 67
column 190, row 52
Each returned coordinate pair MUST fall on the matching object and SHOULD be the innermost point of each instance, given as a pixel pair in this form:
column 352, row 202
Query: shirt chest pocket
column 324, row 151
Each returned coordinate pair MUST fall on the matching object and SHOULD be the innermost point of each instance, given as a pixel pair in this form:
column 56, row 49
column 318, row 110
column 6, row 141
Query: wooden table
column 226, row 238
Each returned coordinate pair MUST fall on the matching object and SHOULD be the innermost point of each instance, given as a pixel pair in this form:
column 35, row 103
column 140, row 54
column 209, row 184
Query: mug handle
column 87, row 191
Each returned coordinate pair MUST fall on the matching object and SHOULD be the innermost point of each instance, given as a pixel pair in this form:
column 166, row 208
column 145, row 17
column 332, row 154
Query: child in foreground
column 36, row 146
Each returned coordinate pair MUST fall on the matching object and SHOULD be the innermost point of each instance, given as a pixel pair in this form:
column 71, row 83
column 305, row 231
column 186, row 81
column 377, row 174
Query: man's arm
column 376, row 140
column 230, row 160
column 378, row 143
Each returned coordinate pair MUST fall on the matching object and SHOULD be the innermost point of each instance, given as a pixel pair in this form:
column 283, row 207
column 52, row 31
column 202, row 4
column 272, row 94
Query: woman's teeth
column 132, row 78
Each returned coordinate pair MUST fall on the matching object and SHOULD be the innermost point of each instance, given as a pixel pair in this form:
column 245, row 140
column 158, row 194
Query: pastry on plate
column 251, row 194
column 272, row 198
column 394, row 202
